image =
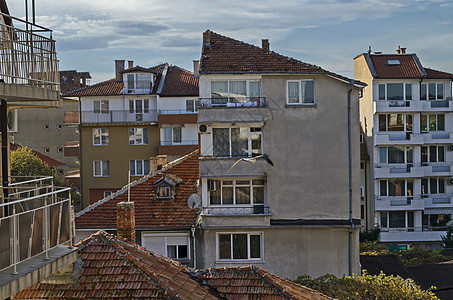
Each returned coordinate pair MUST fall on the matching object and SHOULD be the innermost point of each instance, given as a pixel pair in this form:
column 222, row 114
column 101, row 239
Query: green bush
column 417, row 256
column 367, row 287
column 447, row 240
column 373, row 248
column 369, row 236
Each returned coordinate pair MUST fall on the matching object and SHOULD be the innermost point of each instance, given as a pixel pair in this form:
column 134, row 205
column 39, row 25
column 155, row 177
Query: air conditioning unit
column 212, row 186
column 450, row 181
column 12, row 120
column 139, row 117
column 203, row 128
column 450, row 147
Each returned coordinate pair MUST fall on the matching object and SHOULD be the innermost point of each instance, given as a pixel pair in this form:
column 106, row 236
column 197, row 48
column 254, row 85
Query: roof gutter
column 350, row 179
column 162, row 80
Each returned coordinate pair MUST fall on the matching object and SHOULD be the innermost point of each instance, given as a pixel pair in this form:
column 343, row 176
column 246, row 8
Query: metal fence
column 28, row 58
column 232, row 102
column 237, row 210
column 35, row 218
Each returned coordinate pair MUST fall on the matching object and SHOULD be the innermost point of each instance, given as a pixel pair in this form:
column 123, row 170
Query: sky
column 91, row 34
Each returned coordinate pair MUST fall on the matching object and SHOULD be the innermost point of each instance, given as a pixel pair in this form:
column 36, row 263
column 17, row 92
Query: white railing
column 35, row 218
column 256, row 209
column 118, row 116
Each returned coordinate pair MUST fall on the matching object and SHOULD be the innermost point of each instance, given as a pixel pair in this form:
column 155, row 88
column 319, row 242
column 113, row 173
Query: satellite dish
column 194, row 201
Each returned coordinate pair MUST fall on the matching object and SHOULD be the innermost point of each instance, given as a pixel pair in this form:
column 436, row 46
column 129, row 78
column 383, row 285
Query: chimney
column 84, row 81
column 196, row 68
column 119, row 66
column 130, row 64
column 125, row 221
column 265, row 44
column 161, row 161
column 152, row 164
column 77, row 80
column 403, row 50
column 207, row 38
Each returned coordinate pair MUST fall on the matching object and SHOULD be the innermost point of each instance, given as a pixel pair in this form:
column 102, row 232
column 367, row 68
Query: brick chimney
column 125, row 221
column 161, row 161
column 265, row 44
column 196, row 68
column 119, row 66
column 130, row 64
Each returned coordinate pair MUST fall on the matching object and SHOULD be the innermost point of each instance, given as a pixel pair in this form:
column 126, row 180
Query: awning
column 438, row 211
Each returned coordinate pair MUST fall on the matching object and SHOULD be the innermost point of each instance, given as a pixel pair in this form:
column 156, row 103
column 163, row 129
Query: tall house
column 407, row 117
column 254, row 101
column 127, row 120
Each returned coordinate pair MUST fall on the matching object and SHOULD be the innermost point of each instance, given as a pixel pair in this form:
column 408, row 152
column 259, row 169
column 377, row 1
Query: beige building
column 301, row 215
column 119, row 128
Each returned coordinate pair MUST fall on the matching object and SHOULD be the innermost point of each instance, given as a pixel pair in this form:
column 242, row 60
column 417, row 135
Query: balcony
column 177, row 148
column 239, row 102
column 257, row 209
column 438, row 105
column 118, row 116
column 437, row 169
column 398, row 170
column 390, row 106
column 398, row 138
column 35, row 233
column 438, row 200
column 177, row 117
column 384, row 203
column 138, row 87
column 411, row 234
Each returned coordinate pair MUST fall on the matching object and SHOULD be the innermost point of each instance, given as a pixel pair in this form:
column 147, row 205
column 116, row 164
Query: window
column 107, row 193
column 192, row 105
column 101, row 106
column 432, row 122
column 432, row 91
column 172, row 135
column 396, row 187
column 101, row 168
column 433, row 185
column 59, row 126
column 237, row 142
column 395, row 122
column 300, row 92
column 47, row 150
column 59, row 149
column 46, row 126
column 172, row 245
column 138, row 136
column 433, row 154
column 100, row 136
column 395, row 91
column 139, row 83
column 236, row 192
column 397, row 219
column 237, row 91
column 165, row 191
column 396, row 155
column 236, row 246
column 139, row 106
column 393, row 62
column 139, row 167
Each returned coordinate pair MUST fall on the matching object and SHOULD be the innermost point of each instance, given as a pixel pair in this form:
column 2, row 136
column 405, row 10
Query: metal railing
column 27, row 58
column 257, row 209
column 180, row 143
column 35, row 218
column 413, row 229
column 232, row 102
column 176, row 112
column 138, row 87
column 118, row 116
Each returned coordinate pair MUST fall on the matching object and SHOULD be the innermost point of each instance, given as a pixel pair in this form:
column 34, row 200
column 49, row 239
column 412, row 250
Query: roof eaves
column 370, row 64
column 419, row 65
column 162, row 80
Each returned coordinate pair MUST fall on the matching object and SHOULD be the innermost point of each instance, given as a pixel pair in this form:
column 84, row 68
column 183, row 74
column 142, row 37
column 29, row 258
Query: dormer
column 138, row 80
column 166, row 186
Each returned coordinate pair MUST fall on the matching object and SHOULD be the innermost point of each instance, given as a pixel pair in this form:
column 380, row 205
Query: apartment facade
column 119, row 125
column 407, row 116
column 256, row 102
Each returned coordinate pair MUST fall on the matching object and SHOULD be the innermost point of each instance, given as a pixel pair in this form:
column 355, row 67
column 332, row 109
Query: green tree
column 24, row 163
column 447, row 240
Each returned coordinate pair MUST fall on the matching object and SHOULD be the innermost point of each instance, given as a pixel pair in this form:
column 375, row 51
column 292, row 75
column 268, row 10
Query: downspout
column 194, row 250
column 350, row 178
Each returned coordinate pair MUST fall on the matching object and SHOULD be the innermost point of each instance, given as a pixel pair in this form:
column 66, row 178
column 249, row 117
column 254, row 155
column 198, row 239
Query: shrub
column 447, row 240
column 369, row 236
column 417, row 256
column 373, row 248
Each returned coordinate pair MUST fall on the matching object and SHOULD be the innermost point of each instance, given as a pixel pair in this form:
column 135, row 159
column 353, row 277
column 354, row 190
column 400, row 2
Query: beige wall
column 118, row 153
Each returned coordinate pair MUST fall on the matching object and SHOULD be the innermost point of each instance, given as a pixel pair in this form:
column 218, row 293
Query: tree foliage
column 366, row 287
column 25, row 163
column 447, row 240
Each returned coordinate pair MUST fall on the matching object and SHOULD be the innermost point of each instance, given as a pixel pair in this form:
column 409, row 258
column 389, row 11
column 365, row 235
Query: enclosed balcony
column 410, row 170
column 118, row 116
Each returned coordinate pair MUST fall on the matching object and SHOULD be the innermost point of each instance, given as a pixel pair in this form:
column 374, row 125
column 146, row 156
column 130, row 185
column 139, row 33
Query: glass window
column 423, row 92
column 100, row 136
column 432, row 91
column 239, row 141
column 190, row 106
column 237, row 192
column 221, row 142
column 440, row 91
column 236, row 142
column 225, row 246
column 143, row 81
column 397, row 219
column 238, row 91
column 101, row 168
column 130, row 82
column 395, row 91
column 240, row 246
column 301, row 92
column 293, row 92
column 383, row 155
column 138, row 136
column 139, row 167
column 219, row 89
column 432, row 122
column 381, row 91
column 177, row 134
column 408, row 91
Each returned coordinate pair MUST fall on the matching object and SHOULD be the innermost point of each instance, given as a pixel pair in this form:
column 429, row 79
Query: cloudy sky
column 91, row 34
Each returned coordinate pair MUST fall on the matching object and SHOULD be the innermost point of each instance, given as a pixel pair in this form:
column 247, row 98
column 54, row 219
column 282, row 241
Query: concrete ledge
column 28, row 96
column 35, row 270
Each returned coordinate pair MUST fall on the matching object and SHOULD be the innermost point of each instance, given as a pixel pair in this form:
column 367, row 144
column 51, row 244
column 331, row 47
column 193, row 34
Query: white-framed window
column 139, row 106
column 237, row 142
column 433, row 185
column 396, row 154
column 432, row 122
column 172, row 135
column 240, row 246
column 396, row 187
column 236, row 90
column 164, row 191
column 192, row 105
column 101, row 106
column 433, row 154
column 395, row 91
column 138, row 83
column 432, row 91
column 397, row 219
column 138, row 136
column 100, row 136
column 393, row 62
column 139, row 167
column 101, row 168
column 395, row 122
column 300, row 91
column 236, row 191
column 172, row 245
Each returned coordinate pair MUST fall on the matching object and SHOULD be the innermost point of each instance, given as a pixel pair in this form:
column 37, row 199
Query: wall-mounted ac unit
column 203, row 128
column 212, row 186
column 450, row 147
column 450, row 181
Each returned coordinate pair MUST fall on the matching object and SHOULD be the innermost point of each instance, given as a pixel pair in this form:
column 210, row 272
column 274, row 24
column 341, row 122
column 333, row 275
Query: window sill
column 293, row 105
column 96, row 145
column 240, row 261
column 101, row 176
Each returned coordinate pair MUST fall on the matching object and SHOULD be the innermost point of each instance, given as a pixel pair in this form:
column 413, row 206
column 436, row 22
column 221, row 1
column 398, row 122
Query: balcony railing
column 35, row 218
column 176, row 112
column 257, row 209
column 180, row 143
column 118, row 116
column 233, row 102
column 27, row 58
column 138, row 87
column 413, row 229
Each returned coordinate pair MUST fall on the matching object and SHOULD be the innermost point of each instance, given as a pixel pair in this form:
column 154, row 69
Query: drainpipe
column 194, row 250
column 350, row 179
column 5, row 145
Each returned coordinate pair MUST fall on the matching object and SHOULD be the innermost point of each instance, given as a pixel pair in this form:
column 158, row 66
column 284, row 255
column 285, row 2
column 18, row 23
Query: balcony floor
column 35, row 269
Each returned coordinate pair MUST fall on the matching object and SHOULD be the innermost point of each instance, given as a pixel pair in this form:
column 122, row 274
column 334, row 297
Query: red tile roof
column 434, row 74
column 180, row 82
column 408, row 67
column 150, row 212
column 51, row 162
column 113, row 268
column 106, row 88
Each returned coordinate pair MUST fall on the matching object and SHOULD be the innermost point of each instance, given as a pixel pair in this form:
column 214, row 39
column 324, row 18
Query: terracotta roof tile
column 434, row 74
column 106, row 88
column 180, row 82
column 51, row 162
column 408, row 68
column 150, row 212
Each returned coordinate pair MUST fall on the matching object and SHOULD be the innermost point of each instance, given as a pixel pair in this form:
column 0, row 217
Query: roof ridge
column 88, row 87
column 181, row 68
column 136, row 182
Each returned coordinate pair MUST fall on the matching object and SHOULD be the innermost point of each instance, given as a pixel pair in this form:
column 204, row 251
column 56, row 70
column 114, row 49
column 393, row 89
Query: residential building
column 110, row 267
column 126, row 120
column 407, row 116
column 306, row 207
column 35, row 227
column 164, row 223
